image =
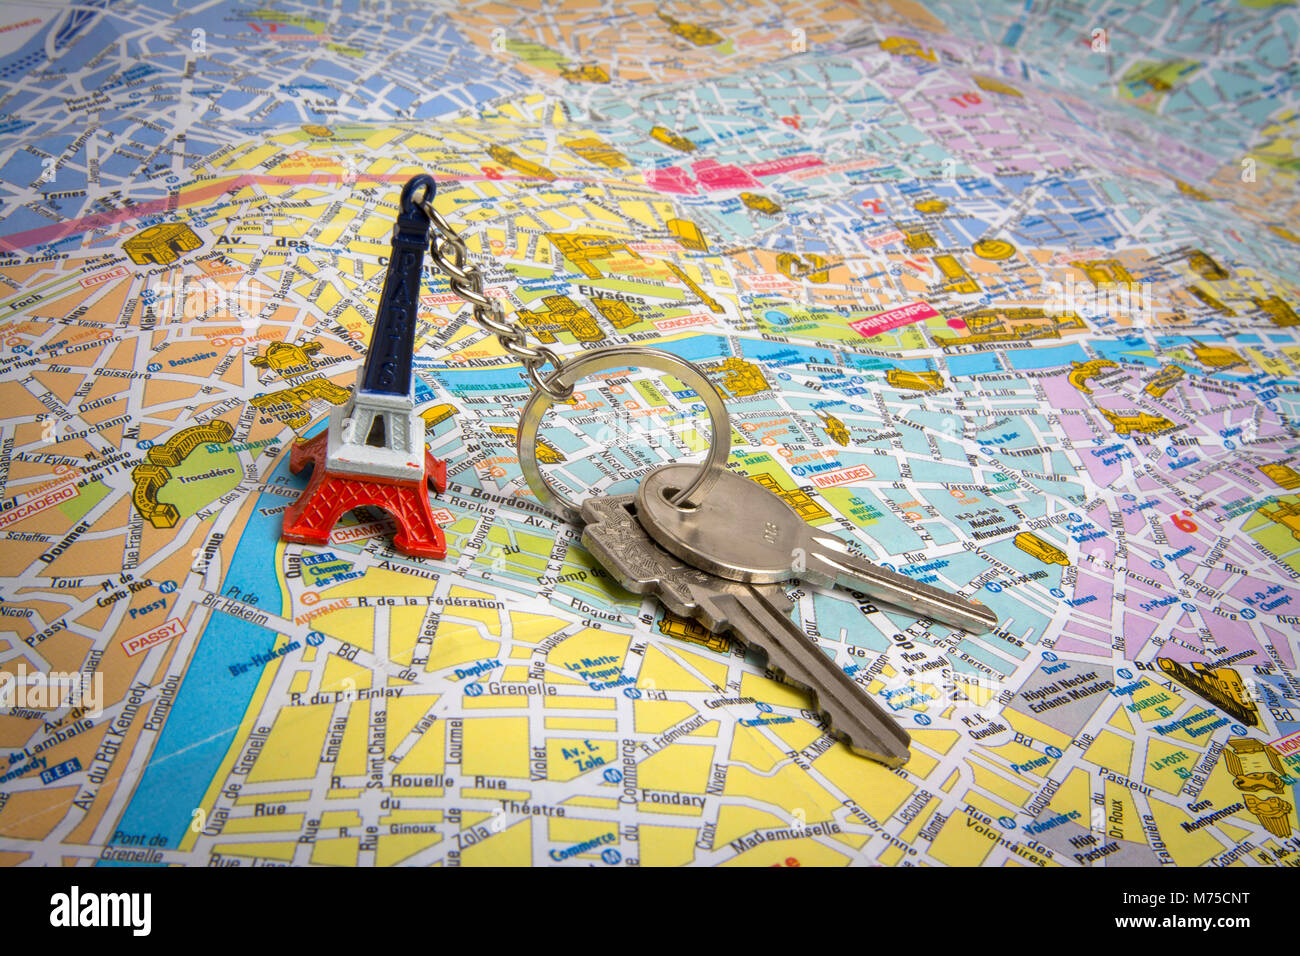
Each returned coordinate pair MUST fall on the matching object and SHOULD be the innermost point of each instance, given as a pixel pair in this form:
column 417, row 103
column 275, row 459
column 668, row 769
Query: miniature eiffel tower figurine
column 373, row 452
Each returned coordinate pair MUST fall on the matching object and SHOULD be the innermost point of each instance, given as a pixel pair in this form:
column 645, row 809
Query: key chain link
column 449, row 252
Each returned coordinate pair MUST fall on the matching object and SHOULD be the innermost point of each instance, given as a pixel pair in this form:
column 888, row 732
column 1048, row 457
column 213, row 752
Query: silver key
column 741, row 531
column 755, row 614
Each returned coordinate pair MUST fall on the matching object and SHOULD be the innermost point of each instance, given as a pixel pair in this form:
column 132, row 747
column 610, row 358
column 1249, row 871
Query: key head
column 741, row 531
column 617, row 540
column 610, row 532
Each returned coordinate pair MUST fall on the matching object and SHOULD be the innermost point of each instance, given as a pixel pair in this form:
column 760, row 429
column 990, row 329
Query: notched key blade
column 833, row 562
column 844, row 705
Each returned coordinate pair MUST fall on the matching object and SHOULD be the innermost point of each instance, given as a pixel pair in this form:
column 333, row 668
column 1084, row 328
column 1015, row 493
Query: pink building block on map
column 671, row 179
column 714, row 175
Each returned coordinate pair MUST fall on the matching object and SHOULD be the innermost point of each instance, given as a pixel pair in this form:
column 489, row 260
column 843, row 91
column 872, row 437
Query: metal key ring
column 624, row 356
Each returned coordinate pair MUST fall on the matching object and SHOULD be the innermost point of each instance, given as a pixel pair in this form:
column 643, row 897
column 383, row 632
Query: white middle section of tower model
column 378, row 435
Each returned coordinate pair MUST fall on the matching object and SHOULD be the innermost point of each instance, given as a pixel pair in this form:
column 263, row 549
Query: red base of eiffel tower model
column 331, row 494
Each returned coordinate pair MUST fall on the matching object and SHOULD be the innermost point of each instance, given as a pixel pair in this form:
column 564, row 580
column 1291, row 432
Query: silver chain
column 449, row 251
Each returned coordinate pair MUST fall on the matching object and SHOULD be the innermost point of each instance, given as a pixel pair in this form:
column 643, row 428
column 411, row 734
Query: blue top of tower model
column 392, row 343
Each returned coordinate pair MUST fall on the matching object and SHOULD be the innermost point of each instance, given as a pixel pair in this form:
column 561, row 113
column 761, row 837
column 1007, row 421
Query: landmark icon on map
column 161, row 244
column 373, row 451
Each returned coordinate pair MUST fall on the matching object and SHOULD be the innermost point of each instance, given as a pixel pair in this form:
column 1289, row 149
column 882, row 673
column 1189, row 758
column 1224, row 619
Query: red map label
column 36, row 505
column 159, row 635
column 893, row 319
column 842, row 476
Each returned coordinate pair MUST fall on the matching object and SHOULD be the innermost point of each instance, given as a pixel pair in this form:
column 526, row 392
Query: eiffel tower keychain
column 373, row 451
